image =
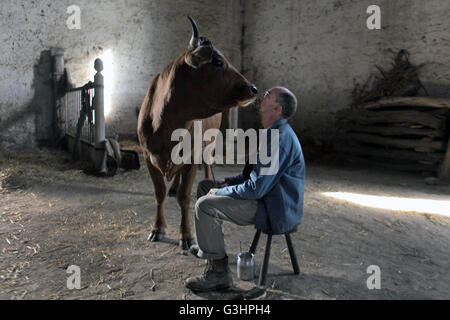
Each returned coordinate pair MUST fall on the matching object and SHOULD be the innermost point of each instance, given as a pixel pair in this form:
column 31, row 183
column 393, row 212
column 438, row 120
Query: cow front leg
column 208, row 173
column 159, row 187
column 183, row 197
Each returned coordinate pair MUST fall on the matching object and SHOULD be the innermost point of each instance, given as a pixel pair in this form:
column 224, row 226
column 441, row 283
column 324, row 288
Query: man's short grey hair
column 288, row 102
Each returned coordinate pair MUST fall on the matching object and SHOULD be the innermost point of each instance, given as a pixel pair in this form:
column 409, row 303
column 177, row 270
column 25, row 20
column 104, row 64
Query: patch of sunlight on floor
column 441, row 207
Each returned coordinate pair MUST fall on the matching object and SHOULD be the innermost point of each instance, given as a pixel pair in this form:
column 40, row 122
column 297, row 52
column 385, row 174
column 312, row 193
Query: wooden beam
column 445, row 170
column 408, row 102
column 418, row 145
column 394, row 166
column 389, row 153
column 404, row 117
column 395, row 130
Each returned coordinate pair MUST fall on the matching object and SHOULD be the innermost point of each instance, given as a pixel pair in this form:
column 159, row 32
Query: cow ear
column 199, row 56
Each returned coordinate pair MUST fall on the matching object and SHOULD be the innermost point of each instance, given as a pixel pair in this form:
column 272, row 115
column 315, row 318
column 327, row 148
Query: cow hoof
column 155, row 236
column 185, row 244
column 172, row 193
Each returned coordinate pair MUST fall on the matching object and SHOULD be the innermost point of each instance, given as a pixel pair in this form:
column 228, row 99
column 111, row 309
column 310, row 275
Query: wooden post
column 99, row 104
column 99, row 107
column 233, row 118
column 445, row 171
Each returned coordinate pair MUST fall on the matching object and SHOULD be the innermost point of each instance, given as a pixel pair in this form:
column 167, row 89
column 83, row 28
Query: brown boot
column 217, row 276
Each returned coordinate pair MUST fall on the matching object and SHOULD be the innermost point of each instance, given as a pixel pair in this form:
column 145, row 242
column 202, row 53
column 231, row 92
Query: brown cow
column 199, row 84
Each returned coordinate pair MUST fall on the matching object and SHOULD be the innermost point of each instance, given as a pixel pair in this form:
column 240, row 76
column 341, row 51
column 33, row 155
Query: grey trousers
column 211, row 211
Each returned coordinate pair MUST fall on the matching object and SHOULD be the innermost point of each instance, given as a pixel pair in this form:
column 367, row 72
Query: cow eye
column 218, row 63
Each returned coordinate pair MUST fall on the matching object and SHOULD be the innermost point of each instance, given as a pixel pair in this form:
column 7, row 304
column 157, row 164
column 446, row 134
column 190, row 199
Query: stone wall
column 139, row 38
column 318, row 49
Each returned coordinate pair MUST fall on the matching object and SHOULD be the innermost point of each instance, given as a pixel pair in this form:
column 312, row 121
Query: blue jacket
column 279, row 195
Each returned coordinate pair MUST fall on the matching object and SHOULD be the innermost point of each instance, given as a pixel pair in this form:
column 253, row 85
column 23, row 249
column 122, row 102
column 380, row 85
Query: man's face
column 269, row 109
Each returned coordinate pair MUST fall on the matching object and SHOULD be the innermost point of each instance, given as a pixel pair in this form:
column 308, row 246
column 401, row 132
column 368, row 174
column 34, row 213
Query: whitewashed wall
column 141, row 37
column 315, row 48
column 319, row 48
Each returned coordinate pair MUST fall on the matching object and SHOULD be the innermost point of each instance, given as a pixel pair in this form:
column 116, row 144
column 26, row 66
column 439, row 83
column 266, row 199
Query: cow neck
column 177, row 123
column 177, row 116
column 167, row 127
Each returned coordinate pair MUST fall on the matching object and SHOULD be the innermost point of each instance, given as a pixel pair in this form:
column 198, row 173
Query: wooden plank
column 418, row 145
column 408, row 101
column 399, row 154
column 395, row 130
column 382, row 163
column 385, row 117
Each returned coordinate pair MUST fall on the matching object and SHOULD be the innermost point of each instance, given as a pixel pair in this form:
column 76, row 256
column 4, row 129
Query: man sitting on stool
column 270, row 202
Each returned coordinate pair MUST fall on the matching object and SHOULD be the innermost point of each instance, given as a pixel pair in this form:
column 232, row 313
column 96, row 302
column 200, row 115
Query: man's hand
column 212, row 191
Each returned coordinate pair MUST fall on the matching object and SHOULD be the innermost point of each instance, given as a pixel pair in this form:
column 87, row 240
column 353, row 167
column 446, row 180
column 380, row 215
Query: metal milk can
column 245, row 266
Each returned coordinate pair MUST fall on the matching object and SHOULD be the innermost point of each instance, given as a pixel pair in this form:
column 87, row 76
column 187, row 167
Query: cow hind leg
column 183, row 198
column 159, row 186
column 176, row 183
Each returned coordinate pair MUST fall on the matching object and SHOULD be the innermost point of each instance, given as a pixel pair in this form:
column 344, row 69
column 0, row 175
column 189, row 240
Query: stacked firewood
column 401, row 80
column 404, row 133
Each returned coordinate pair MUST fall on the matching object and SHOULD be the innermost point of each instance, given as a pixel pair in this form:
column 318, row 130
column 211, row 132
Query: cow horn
column 194, row 40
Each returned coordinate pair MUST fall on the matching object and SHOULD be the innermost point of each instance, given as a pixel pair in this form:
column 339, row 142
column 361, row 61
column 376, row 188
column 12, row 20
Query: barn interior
column 373, row 121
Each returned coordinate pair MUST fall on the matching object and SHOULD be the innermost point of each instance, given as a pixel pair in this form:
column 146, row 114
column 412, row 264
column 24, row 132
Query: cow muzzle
column 247, row 102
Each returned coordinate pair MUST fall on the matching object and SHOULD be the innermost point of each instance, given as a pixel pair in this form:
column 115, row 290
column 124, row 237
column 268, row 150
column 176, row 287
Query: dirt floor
column 53, row 215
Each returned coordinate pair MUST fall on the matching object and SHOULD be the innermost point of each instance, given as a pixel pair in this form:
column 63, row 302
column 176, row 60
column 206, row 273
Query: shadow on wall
column 39, row 109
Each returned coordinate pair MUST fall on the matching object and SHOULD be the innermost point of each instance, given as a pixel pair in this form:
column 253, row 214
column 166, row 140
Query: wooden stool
column 263, row 273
